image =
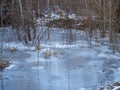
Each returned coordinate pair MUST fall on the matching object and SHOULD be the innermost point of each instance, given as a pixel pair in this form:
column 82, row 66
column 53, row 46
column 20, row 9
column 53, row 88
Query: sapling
column 12, row 50
column 1, row 46
column 37, row 47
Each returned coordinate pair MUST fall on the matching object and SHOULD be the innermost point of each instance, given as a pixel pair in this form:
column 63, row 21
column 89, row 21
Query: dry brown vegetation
column 67, row 23
column 4, row 64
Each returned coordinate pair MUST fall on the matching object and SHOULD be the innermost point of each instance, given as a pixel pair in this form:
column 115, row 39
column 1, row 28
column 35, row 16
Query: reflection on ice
column 37, row 67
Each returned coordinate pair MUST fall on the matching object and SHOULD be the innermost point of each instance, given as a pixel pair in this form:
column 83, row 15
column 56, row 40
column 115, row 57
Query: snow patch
column 18, row 46
column 115, row 56
column 102, row 55
column 61, row 45
column 117, row 88
column 11, row 66
column 86, row 52
column 72, row 16
column 108, row 56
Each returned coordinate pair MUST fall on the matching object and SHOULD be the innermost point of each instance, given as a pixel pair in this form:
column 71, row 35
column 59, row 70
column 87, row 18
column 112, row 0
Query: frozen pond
column 67, row 71
column 71, row 67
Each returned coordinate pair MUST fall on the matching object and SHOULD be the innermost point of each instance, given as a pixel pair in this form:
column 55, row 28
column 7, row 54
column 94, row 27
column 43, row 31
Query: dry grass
column 47, row 54
column 55, row 53
column 37, row 47
column 71, row 24
column 4, row 64
column 13, row 49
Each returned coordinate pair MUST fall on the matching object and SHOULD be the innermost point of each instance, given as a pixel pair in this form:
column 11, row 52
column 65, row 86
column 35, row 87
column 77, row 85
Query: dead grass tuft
column 4, row 64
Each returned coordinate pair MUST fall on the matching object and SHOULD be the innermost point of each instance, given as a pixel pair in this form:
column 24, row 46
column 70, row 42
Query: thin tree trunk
column 1, row 45
column 89, row 25
column 21, row 12
column 22, row 20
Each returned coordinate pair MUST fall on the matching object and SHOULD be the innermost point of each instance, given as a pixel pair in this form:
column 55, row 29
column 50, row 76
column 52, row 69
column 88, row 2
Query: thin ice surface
column 74, row 67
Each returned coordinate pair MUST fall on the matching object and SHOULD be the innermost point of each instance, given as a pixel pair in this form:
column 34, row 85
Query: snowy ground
column 71, row 66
